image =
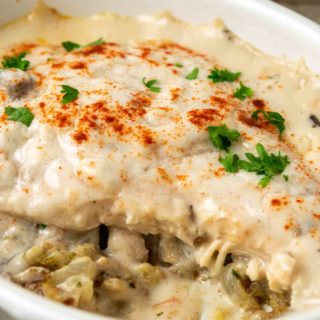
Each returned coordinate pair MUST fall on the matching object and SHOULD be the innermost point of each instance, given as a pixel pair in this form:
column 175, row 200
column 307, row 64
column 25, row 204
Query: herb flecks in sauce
column 268, row 165
column 274, row 118
column 70, row 94
column 97, row 42
column 222, row 137
column 23, row 115
column 223, row 75
column 230, row 162
column 16, row 62
column 70, row 46
column 178, row 65
column 193, row 74
column 150, row 84
column 243, row 92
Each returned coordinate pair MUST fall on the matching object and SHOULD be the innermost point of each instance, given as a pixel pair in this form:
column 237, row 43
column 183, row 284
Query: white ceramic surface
column 268, row 26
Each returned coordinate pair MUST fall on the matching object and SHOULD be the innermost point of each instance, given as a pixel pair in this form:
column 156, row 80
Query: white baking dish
column 268, row 26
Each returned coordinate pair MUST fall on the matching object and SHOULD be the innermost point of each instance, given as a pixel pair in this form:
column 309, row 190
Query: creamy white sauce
column 47, row 176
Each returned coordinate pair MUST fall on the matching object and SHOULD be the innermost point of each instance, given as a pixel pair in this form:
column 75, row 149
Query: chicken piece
column 126, row 246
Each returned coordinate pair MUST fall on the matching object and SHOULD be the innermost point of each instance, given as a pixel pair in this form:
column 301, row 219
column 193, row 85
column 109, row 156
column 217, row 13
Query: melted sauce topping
column 121, row 154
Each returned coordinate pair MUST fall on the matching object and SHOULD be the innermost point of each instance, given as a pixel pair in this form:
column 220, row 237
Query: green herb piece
column 97, row 42
column 222, row 137
column 16, row 62
column 179, row 65
column 151, row 85
column 70, row 46
column 42, row 226
column 193, row 74
column 70, row 94
column 274, row 118
column 230, row 163
column 269, row 165
column 286, row 178
column 23, row 115
column 223, row 75
column 243, row 92
column 235, row 274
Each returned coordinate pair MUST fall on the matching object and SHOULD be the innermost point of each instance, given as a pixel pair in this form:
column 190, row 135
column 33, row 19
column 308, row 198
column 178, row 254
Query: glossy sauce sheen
column 123, row 155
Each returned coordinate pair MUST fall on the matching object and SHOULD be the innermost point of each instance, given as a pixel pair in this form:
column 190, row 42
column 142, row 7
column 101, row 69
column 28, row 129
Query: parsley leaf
column 243, row 92
column 222, row 137
column 42, row 226
column 97, row 42
column 16, row 62
column 274, row 118
column 70, row 94
column 150, row 85
column 179, row 65
column 223, row 75
column 70, row 46
column 193, row 74
column 230, row 163
column 269, row 165
column 23, row 115
column 236, row 274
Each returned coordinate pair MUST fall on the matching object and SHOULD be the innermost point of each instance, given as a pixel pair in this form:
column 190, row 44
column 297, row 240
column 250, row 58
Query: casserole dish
column 270, row 36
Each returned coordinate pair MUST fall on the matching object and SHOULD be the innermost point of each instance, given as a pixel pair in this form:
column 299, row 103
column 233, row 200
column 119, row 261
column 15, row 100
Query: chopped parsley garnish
column 223, row 75
column 235, row 274
column 268, row 165
column 23, row 115
column 230, row 163
column 285, row 177
column 243, row 92
column 193, row 74
column 151, row 85
column 16, row 62
column 97, row 42
column 42, row 226
column 274, row 118
column 222, row 137
column 70, row 46
column 70, row 94
column 179, row 65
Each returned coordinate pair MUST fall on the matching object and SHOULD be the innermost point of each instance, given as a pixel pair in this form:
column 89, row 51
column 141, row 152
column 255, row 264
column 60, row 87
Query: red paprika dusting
column 22, row 47
column 276, row 202
column 57, row 65
column 259, row 103
column 204, row 117
column 261, row 123
column 78, row 65
column 80, row 137
column 164, row 175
